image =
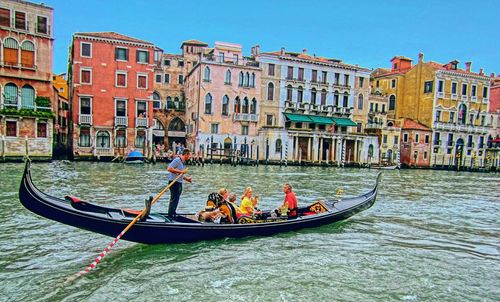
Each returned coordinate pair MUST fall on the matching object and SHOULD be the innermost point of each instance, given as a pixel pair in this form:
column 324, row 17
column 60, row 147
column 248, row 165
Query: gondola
column 157, row 229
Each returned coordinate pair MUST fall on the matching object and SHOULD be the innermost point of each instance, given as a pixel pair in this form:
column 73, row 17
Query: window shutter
column 147, row 56
column 137, row 56
column 126, row 54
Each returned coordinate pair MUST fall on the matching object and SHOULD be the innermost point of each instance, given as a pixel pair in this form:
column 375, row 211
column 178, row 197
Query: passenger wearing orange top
column 290, row 203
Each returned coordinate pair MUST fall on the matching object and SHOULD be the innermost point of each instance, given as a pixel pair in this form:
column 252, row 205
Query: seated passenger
column 210, row 216
column 289, row 206
column 246, row 206
column 255, row 201
column 232, row 201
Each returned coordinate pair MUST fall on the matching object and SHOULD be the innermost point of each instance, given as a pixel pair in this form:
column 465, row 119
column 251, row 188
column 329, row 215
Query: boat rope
column 107, row 249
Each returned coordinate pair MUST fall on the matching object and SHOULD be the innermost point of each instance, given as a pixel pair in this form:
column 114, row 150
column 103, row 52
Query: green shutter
column 10, row 96
column 27, row 97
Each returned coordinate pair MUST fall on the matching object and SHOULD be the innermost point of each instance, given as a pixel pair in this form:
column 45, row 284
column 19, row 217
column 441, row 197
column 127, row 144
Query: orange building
column 111, row 87
column 415, row 144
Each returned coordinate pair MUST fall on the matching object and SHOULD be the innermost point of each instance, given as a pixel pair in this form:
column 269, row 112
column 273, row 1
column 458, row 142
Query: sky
column 367, row 33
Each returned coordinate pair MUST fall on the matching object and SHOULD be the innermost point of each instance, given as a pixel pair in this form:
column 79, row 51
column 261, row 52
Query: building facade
column 26, row 93
column 308, row 109
column 415, row 144
column 111, row 94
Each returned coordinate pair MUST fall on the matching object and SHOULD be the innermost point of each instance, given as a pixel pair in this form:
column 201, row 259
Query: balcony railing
column 454, row 96
column 85, row 119
column 473, row 98
column 141, row 122
column 486, row 100
column 121, row 121
column 374, row 126
column 246, row 117
column 104, row 151
column 177, row 106
column 465, row 98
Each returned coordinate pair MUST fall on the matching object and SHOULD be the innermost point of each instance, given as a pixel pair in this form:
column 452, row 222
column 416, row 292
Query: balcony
column 121, row 121
column 486, row 100
column 104, row 151
column 454, row 96
column 85, row 119
column 465, row 98
column 473, row 99
column 373, row 126
column 440, row 95
column 176, row 106
column 290, row 105
column 141, row 122
column 246, row 117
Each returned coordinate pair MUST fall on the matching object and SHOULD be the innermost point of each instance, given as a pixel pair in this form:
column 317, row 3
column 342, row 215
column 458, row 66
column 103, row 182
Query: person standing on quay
column 176, row 167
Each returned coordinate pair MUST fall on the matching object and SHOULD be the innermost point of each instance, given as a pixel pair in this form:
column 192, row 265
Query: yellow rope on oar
column 107, row 249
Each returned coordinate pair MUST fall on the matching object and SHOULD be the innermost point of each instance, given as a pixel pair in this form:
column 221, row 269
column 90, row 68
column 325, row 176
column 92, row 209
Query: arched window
column 252, row 80
column 360, row 101
column 237, row 105
column 246, row 79
column 103, row 139
column 206, row 75
column 278, row 145
column 156, row 100
column 158, row 125
column 177, row 125
column 225, row 105
column 289, row 91
column 392, row 102
column 170, row 104
column 270, row 91
column 253, row 106
column 228, row 77
column 240, row 79
column 10, row 52
column 370, row 151
column 10, row 95
column 300, row 94
column 346, row 100
column 208, row 104
column 323, row 97
column 313, row 96
column 244, row 106
column 336, row 98
column 462, row 114
column 27, row 96
column 28, row 54
column 176, row 102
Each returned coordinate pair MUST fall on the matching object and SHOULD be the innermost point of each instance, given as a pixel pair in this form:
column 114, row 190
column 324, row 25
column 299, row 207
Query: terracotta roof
column 411, row 124
column 194, row 42
column 402, row 58
column 113, row 36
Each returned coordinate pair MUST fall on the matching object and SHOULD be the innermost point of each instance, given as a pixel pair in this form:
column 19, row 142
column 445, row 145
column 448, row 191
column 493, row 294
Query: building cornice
column 463, row 75
column 331, row 64
column 113, row 41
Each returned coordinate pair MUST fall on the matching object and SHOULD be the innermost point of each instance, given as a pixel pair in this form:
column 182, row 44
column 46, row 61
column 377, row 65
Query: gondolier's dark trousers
column 175, row 194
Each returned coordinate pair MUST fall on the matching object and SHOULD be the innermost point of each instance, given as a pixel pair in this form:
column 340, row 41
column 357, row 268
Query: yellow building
column 453, row 102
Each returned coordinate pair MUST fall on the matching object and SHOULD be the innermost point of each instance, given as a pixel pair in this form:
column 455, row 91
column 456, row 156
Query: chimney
column 492, row 75
column 304, row 50
column 282, row 52
column 420, row 57
column 257, row 49
column 253, row 51
column 467, row 66
column 481, row 72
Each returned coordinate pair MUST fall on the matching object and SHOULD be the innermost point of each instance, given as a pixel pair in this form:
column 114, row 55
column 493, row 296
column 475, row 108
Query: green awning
column 344, row 122
column 321, row 119
column 298, row 118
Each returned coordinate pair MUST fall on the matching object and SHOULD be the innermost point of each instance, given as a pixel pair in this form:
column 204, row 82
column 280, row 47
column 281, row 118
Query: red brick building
column 111, row 87
column 26, row 93
column 415, row 144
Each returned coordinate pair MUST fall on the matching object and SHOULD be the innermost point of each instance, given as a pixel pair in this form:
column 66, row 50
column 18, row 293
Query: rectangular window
column 121, row 138
column 383, row 108
column 393, row 83
column 11, row 128
column 271, row 70
column 85, row 76
column 301, row 74
column 417, row 138
column 180, row 63
column 361, row 81
column 471, row 119
column 371, row 107
column 121, row 79
column 181, row 79
column 289, row 74
column 324, row 76
column 427, row 138
column 269, row 120
column 452, row 117
column 485, row 92
column 337, row 78
column 483, row 119
column 405, row 137
column 481, row 142
column 158, row 78
column 20, row 20
column 384, row 139
column 214, row 128
column 142, row 109
column 244, row 130
column 85, row 105
column 42, row 25
column 221, row 57
column 454, row 88
column 4, row 17
column 314, row 76
column 140, row 138
column 440, row 85
column 235, row 59
column 84, row 137
column 41, row 130
column 464, row 89
column 438, row 116
column 428, row 86
column 396, row 139
column 436, row 138
column 166, row 62
column 473, row 90
column 425, row 155
column 121, row 54
column 346, row 80
column 450, row 139
column 142, row 56
column 142, row 81
column 167, row 78
column 86, row 50
column 121, row 108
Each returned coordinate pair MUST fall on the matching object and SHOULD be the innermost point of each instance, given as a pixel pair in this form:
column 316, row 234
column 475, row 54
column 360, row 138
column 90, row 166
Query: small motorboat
column 157, row 228
column 384, row 167
column 135, row 157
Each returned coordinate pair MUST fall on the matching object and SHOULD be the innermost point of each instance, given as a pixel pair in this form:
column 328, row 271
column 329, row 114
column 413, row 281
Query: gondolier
column 176, row 167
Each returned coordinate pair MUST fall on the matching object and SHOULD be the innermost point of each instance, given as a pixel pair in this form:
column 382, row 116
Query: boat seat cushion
column 73, row 198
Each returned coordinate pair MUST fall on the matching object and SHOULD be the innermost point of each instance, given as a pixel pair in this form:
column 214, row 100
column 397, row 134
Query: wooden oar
column 107, row 249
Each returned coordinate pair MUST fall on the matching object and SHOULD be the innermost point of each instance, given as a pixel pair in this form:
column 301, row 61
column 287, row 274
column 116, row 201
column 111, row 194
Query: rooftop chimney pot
column 420, row 57
column 468, row 66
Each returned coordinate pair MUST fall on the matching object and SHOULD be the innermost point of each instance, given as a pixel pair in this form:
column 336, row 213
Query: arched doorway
column 326, row 150
column 459, row 148
column 228, row 143
column 177, row 132
column 158, row 132
column 389, row 156
column 370, row 152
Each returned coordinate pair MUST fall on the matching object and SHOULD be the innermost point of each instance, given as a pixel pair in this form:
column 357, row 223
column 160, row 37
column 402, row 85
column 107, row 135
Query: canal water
column 431, row 236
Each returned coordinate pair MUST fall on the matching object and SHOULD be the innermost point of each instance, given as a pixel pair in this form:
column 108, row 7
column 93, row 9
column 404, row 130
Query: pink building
column 223, row 99
column 415, row 144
